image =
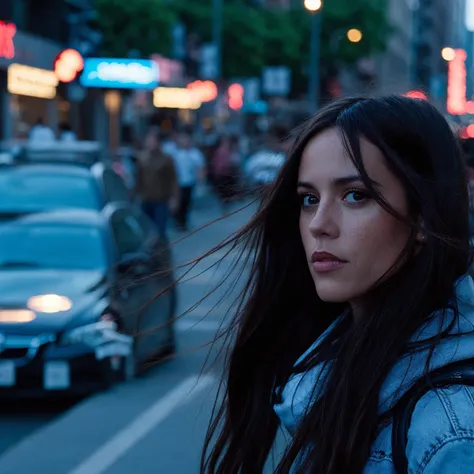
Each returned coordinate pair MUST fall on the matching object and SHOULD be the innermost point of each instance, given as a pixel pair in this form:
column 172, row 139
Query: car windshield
column 51, row 247
column 28, row 191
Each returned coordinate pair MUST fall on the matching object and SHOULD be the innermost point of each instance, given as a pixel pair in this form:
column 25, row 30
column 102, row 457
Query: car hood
column 17, row 286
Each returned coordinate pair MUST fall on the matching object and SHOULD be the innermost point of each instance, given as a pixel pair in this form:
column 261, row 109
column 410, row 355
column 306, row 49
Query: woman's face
column 349, row 240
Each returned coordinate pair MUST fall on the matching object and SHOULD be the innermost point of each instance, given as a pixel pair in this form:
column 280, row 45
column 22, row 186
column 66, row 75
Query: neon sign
column 416, row 95
column 456, row 104
column 7, row 46
column 175, row 98
column 236, row 96
column 31, row 81
column 120, row 73
column 206, row 90
column 68, row 65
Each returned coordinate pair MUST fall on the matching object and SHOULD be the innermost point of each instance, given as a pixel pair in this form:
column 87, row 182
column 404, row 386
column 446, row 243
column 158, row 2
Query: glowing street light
column 448, row 54
column 354, row 35
column 313, row 5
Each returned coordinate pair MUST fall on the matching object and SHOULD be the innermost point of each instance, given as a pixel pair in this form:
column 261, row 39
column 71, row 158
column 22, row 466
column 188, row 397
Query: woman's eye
column 355, row 197
column 308, row 200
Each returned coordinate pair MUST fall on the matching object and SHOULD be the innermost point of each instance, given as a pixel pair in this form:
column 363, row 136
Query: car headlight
column 49, row 303
column 91, row 334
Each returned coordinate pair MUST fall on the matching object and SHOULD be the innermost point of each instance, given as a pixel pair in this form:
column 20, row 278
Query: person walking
column 41, row 133
column 66, row 133
column 156, row 182
column 224, row 171
column 190, row 167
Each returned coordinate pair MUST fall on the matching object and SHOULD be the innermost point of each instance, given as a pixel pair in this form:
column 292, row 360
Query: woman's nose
column 324, row 222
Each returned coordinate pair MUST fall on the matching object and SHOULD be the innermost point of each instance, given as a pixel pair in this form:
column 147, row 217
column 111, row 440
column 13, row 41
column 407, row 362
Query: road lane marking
column 109, row 453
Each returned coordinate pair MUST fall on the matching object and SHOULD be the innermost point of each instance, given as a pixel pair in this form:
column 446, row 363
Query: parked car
column 78, row 307
column 39, row 187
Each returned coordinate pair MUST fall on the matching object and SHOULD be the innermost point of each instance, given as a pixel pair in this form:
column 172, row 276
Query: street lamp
column 354, row 35
column 448, row 54
column 217, row 35
column 314, row 6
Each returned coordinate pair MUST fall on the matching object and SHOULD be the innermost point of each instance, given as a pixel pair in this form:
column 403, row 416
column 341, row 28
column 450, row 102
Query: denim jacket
column 441, row 435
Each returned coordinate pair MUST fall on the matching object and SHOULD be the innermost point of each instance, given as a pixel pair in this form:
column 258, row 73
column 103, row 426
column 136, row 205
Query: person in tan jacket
column 156, row 181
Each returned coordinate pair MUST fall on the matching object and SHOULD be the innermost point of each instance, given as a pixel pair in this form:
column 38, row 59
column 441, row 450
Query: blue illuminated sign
column 120, row 73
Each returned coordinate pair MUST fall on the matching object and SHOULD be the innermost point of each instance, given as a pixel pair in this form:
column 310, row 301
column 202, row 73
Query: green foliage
column 252, row 37
column 135, row 25
column 369, row 16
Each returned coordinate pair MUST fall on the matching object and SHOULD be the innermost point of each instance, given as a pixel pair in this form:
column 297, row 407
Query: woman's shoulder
column 441, row 434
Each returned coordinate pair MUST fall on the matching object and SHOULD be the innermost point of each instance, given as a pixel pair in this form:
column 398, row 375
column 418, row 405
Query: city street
column 156, row 423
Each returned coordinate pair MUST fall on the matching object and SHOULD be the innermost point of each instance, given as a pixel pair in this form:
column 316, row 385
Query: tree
column 253, row 37
column 369, row 16
column 129, row 26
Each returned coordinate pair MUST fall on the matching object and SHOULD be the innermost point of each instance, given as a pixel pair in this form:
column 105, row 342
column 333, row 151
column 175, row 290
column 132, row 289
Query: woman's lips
column 327, row 265
column 323, row 261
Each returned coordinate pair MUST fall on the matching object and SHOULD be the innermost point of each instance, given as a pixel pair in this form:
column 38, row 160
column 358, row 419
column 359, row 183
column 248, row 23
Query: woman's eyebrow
column 342, row 181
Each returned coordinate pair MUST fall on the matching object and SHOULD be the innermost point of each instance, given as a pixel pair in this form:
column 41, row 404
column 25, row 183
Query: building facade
column 393, row 67
column 412, row 59
column 32, row 34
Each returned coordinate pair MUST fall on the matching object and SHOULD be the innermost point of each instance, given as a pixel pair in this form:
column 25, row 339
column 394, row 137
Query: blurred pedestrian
column 170, row 143
column 66, row 134
column 156, row 182
column 358, row 290
column 41, row 133
column 225, row 164
column 190, row 167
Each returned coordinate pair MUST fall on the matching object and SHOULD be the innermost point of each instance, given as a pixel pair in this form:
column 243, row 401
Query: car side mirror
column 133, row 262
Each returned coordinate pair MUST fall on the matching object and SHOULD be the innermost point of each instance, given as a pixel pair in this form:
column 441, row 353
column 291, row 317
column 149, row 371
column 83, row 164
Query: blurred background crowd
column 233, row 76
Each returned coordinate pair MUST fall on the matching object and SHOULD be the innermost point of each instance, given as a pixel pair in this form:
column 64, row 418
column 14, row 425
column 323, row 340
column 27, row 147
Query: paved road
column 156, row 423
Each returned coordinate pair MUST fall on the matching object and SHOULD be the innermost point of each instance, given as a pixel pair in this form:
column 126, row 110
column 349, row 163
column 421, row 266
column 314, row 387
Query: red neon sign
column 7, row 46
column 68, row 64
column 236, row 96
column 456, row 104
column 205, row 90
column 416, row 95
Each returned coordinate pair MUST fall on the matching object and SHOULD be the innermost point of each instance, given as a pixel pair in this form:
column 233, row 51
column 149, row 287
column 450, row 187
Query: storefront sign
column 120, row 73
column 7, row 45
column 30, row 81
column 175, row 98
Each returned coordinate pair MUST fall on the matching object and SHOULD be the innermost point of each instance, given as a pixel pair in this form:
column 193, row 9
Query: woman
column 358, row 288
column 156, row 182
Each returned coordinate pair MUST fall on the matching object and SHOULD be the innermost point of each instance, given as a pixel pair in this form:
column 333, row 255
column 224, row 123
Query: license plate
column 57, row 375
column 7, row 373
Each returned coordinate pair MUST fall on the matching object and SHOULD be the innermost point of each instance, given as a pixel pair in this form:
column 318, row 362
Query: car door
column 115, row 189
column 136, row 284
column 163, row 274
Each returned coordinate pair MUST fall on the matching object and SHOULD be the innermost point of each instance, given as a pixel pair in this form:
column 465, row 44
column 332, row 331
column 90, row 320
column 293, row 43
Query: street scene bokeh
column 136, row 136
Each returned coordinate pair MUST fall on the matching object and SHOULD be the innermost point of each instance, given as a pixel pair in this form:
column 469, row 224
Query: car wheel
column 170, row 347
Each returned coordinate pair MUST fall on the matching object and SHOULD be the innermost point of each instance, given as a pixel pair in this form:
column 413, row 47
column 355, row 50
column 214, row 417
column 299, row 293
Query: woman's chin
column 332, row 292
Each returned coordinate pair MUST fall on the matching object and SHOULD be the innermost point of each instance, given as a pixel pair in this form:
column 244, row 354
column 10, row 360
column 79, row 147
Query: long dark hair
column 282, row 315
